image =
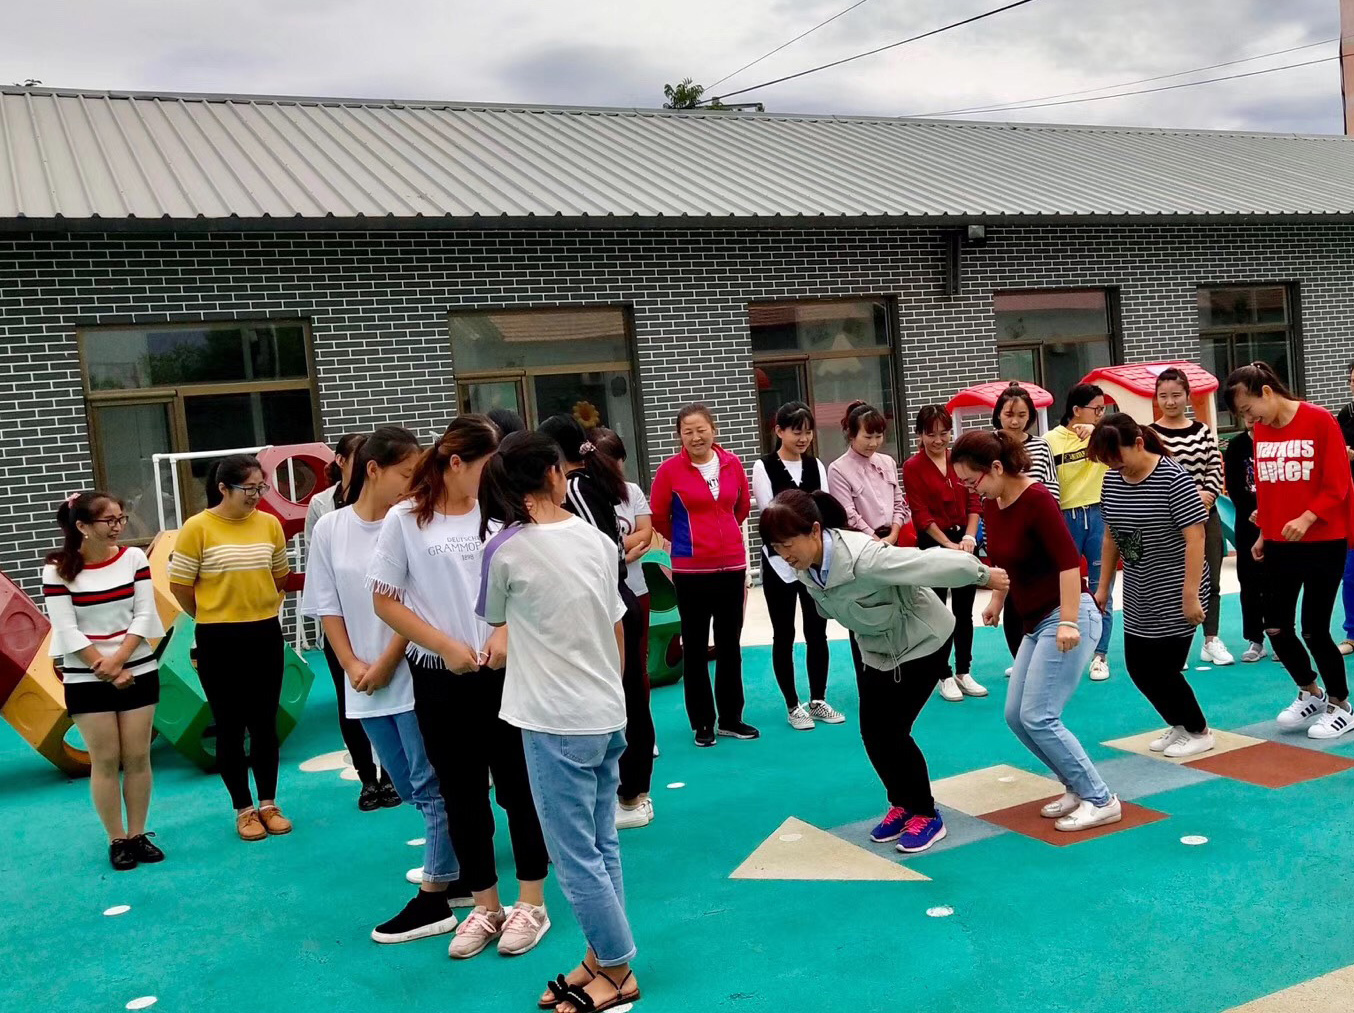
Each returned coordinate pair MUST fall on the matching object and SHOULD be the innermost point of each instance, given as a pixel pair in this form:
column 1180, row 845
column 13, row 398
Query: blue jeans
column 399, row 747
column 573, row 780
column 1042, row 681
column 1088, row 532
column 1347, row 592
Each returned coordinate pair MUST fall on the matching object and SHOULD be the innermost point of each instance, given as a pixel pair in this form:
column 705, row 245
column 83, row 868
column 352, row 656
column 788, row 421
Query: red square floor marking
column 1273, row 764
column 1025, row 819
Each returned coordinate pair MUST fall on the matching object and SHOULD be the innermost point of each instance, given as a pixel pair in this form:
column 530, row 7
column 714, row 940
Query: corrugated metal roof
column 74, row 156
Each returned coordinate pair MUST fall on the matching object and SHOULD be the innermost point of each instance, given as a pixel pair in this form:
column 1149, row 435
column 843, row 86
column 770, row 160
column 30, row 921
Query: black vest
column 780, row 475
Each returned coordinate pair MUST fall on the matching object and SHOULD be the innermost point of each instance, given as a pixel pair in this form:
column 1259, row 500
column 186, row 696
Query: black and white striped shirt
column 1147, row 520
column 1041, row 464
column 1195, row 449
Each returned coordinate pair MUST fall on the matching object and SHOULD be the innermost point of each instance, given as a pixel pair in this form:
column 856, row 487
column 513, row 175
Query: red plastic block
column 23, row 628
column 309, row 461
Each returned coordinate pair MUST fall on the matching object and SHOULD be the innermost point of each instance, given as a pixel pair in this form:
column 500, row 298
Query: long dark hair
column 609, row 443
column 469, row 437
column 81, row 508
column 230, row 470
column 347, row 446
column 1253, row 379
column 1079, row 397
column 862, row 415
column 507, row 420
column 1014, row 392
column 520, row 468
column 931, row 415
column 981, row 448
column 388, row 445
column 794, row 512
column 1114, row 433
column 604, row 469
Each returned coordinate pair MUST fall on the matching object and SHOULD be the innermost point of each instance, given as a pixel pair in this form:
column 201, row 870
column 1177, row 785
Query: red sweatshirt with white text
column 1301, row 467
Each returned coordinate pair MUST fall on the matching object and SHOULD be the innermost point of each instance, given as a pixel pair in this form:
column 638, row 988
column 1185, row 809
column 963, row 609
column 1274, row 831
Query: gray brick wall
column 377, row 305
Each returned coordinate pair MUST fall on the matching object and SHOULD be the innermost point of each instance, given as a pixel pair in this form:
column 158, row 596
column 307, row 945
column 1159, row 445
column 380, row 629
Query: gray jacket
column 883, row 595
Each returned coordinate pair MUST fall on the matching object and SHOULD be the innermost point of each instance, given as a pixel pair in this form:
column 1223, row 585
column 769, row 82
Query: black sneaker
column 739, row 730
column 390, row 798
column 457, row 895
column 705, row 736
column 428, row 914
column 121, row 856
column 369, row 798
column 143, row 850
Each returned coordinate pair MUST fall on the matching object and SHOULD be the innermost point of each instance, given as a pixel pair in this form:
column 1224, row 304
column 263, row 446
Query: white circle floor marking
column 677, row 784
column 1006, row 779
column 143, row 1002
column 117, row 909
column 416, row 842
column 939, row 912
column 349, row 774
column 1194, row 840
column 789, row 838
column 1203, row 668
column 326, row 761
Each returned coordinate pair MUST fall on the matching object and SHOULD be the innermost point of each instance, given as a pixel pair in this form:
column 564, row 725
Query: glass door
column 125, row 435
column 777, row 383
column 478, row 397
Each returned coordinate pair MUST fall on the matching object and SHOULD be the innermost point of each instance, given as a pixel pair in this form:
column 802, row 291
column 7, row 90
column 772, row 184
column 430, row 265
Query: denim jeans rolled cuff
column 574, row 780
column 1043, row 679
column 399, row 746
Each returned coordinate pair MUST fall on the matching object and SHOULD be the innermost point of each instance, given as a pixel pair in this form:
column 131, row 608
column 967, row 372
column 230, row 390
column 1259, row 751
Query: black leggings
column 781, row 597
column 1314, row 570
column 889, row 704
column 703, row 599
column 240, row 668
column 636, row 763
column 354, row 738
column 1154, row 664
column 1250, row 575
column 963, row 608
column 1013, row 627
column 466, row 741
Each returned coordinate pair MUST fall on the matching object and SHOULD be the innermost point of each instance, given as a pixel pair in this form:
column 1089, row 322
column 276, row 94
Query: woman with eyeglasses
column 1079, row 486
column 99, row 598
column 228, row 572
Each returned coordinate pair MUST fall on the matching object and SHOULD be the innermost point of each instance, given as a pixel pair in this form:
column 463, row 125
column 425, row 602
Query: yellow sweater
column 231, row 566
column 1079, row 478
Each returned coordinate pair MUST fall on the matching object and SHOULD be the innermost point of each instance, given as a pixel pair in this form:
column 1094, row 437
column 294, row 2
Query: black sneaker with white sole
column 739, row 730
column 428, row 914
column 705, row 736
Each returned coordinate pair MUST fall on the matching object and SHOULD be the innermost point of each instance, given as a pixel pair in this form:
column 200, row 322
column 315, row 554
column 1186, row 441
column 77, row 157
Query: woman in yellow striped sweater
column 228, row 571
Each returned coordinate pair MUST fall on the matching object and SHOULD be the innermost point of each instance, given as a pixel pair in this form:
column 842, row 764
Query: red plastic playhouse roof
column 1141, row 377
column 985, row 395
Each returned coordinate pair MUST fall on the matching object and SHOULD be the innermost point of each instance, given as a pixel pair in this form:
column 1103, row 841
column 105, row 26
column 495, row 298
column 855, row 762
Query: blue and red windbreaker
column 706, row 533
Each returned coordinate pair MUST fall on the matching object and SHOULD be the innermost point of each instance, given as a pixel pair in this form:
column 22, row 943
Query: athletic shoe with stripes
column 1331, row 725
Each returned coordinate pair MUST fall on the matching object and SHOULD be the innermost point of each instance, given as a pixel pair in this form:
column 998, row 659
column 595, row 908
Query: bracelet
column 1068, row 622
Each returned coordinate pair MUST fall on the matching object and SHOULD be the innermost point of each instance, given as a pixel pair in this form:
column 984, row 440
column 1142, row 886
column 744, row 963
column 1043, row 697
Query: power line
column 997, row 107
column 872, row 52
column 784, row 45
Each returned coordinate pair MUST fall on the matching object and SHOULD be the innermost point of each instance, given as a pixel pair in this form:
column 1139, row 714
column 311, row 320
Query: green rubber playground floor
column 1132, row 921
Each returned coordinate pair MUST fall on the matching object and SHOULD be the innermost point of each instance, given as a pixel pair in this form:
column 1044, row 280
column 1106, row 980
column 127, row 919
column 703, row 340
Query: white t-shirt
column 710, row 472
column 341, row 549
column 762, row 494
column 555, row 587
column 627, row 514
column 320, row 504
column 435, row 570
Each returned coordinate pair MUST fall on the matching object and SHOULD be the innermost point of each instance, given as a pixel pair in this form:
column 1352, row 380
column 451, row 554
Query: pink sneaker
column 523, row 929
column 480, row 928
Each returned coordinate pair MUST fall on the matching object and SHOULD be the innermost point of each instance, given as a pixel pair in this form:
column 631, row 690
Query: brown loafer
column 249, row 826
column 273, row 820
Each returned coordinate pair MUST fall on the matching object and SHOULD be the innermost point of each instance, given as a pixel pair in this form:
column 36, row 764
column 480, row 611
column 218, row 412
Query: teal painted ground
column 1133, row 922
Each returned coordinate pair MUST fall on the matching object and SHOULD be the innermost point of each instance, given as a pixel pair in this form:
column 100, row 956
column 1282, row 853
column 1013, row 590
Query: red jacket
column 706, row 533
column 934, row 498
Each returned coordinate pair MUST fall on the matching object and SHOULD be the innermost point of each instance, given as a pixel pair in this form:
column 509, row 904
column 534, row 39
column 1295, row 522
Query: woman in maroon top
column 945, row 514
column 1027, row 537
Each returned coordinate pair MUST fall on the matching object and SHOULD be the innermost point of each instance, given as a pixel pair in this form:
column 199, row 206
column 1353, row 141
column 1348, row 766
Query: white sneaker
column 1347, row 647
column 949, row 690
column 968, row 686
column 1302, row 712
column 1189, row 744
column 1215, row 651
column 522, row 929
column 1100, row 669
column 1331, row 725
column 821, row 710
column 1255, row 651
column 655, row 750
column 1088, row 815
column 632, row 819
column 1009, row 671
column 1061, row 807
column 1166, row 738
column 414, row 876
column 480, row 928
column 799, row 719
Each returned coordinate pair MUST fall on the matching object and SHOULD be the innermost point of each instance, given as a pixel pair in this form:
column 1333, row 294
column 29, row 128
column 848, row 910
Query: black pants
column 240, row 668
column 1013, row 627
column 636, row 763
column 354, row 738
column 1214, row 548
column 1154, row 664
column 1314, row 570
column 963, row 608
column 889, row 704
column 703, row 599
column 781, row 597
column 1250, row 575
column 466, row 741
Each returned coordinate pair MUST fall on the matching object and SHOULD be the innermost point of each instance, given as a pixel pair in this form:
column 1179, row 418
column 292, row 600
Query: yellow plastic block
column 37, row 711
column 159, row 552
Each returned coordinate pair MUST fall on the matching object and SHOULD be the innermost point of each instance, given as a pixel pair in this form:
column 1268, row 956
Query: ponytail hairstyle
column 231, row 470
column 507, row 420
column 609, row 444
column 860, row 415
column 1079, row 397
column 469, row 437
column 1115, row 433
column 795, row 415
column 1014, row 392
column 1172, row 375
column 78, row 507
column 521, row 468
column 387, row 446
column 982, row 448
column 794, row 512
column 346, row 447
column 1253, row 379
column 578, row 449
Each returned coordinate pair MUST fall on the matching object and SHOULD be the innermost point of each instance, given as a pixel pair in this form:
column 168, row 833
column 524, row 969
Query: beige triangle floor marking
column 798, row 850
column 1326, row 994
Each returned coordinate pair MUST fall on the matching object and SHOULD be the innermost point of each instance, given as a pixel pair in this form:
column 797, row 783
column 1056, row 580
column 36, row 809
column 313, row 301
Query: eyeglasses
column 112, row 522
column 252, row 490
column 1094, row 411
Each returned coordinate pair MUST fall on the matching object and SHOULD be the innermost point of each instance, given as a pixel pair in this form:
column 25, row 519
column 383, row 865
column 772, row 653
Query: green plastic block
column 665, row 627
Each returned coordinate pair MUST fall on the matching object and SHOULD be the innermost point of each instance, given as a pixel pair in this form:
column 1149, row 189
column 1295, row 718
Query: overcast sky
column 608, row 52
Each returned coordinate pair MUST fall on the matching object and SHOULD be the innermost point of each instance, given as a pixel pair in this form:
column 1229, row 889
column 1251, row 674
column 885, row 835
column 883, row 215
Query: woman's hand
column 997, row 580
column 1194, row 610
column 1296, row 529
column 991, row 615
column 1258, row 550
column 1102, row 600
column 458, row 657
column 1068, row 638
column 968, row 544
column 496, row 649
column 378, row 677
column 1208, row 497
column 1082, row 429
column 356, row 671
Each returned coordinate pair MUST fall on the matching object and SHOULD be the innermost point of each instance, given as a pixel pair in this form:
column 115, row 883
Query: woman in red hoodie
column 700, row 499
column 1303, row 491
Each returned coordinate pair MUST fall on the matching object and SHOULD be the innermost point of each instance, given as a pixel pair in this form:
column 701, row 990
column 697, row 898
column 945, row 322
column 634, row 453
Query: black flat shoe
column 121, row 856
column 390, row 798
column 369, row 798
column 143, row 850
column 739, row 730
column 705, row 737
